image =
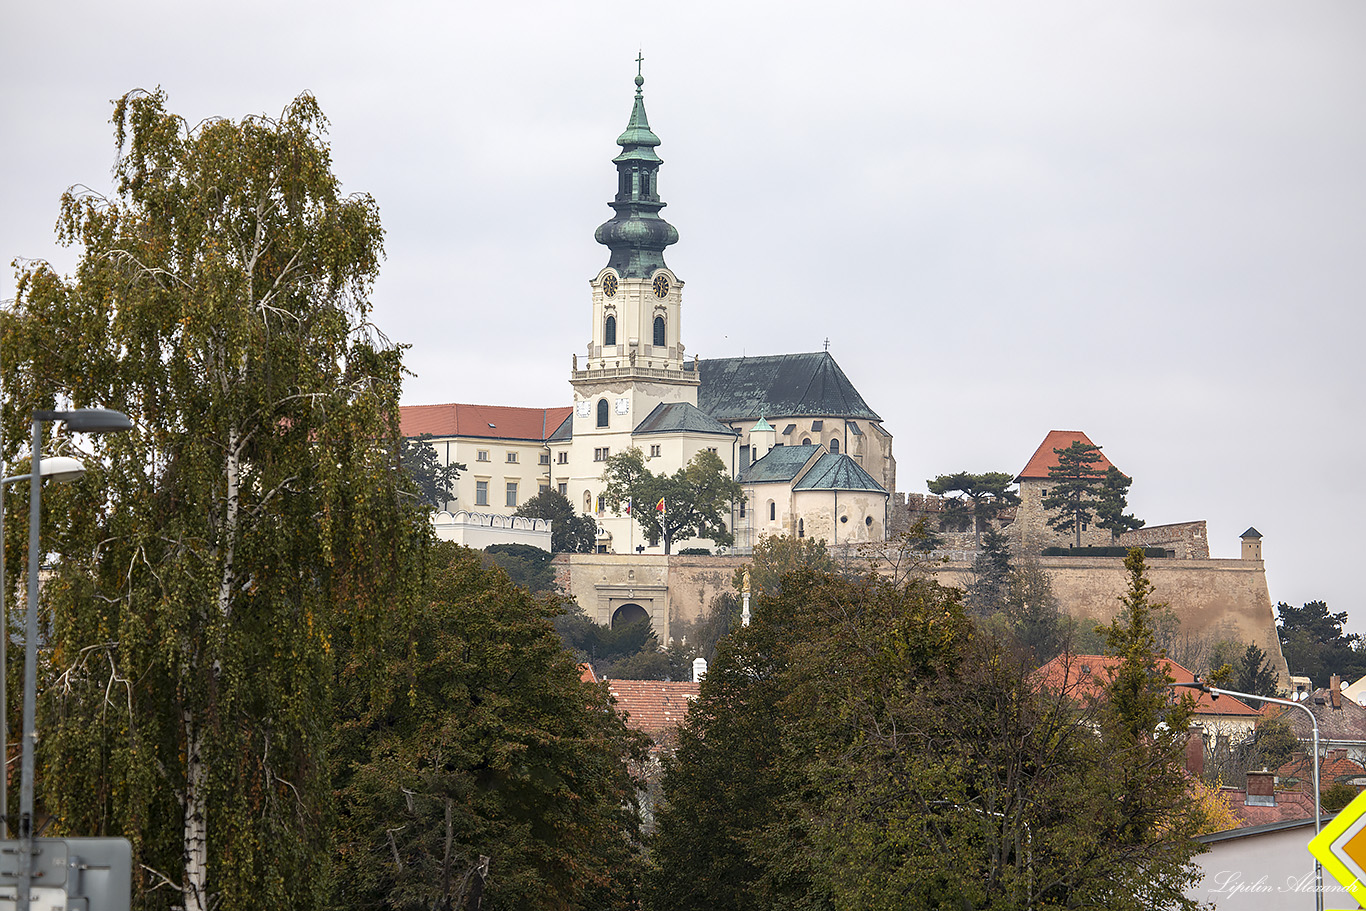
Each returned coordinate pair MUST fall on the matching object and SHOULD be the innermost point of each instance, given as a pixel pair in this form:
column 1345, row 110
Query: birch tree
column 213, row 556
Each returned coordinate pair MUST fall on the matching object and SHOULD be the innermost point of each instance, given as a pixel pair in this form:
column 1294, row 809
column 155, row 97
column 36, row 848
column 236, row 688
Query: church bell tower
column 635, row 355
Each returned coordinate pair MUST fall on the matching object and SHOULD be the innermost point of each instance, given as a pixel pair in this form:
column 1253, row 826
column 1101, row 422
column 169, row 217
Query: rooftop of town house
column 656, row 708
column 493, row 422
column 1088, row 675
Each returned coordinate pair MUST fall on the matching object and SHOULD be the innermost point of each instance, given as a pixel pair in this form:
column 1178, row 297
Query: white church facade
column 810, row 454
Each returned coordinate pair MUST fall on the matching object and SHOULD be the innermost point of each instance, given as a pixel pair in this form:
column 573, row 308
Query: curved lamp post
column 1318, row 812
column 62, row 469
column 80, row 420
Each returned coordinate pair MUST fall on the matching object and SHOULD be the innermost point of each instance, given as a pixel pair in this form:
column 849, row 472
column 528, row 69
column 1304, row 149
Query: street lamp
column 1217, row 691
column 62, row 469
column 81, row 420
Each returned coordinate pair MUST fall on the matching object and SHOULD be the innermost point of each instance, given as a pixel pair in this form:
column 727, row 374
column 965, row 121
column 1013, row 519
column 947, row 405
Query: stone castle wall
column 1219, row 597
column 1027, row 527
column 1183, row 540
column 1223, row 598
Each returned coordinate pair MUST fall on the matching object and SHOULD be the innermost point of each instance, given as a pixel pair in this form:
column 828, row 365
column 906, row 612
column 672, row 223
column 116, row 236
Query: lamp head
column 62, row 469
column 89, row 420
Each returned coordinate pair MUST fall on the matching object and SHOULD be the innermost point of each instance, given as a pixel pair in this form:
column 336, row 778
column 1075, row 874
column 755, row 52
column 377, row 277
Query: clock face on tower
column 661, row 285
column 609, row 285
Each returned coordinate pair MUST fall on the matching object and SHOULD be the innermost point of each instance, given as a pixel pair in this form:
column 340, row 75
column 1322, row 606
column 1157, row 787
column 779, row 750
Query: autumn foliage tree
column 253, row 520
column 862, row 744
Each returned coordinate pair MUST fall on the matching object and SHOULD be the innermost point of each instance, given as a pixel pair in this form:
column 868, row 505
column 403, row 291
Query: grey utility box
column 71, row 874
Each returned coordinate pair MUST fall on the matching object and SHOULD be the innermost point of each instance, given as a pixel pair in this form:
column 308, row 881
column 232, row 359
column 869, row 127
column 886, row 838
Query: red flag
column 628, row 506
column 659, row 507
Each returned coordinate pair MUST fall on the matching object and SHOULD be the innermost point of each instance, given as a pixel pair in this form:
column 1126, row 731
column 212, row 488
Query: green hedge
column 1152, row 552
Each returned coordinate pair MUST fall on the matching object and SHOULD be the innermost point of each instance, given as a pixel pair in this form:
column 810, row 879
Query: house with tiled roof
column 1086, row 676
column 656, row 708
column 507, row 462
column 1341, row 721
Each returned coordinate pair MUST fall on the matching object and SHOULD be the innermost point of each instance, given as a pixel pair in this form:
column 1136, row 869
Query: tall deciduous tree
column 1074, row 492
column 775, row 557
column 480, row 755
column 256, row 514
column 693, row 502
column 975, row 500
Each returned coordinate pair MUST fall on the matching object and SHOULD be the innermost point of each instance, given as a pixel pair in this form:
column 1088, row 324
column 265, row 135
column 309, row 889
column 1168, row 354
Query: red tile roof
column 1044, row 457
column 493, row 422
column 587, row 674
column 653, row 707
column 1290, row 805
column 1087, row 675
column 1334, row 766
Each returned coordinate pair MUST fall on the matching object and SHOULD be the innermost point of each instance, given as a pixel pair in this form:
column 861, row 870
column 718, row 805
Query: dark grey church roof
column 837, row 472
column 778, row 385
column 680, row 417
column 781, row 463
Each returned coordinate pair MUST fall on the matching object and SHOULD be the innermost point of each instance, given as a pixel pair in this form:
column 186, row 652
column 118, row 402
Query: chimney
column 1261, row 789
column 1195, row 753
column 1335, row 691
column 699, row 669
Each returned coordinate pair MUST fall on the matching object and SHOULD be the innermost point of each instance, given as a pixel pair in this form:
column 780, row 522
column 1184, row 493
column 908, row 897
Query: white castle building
column 811, row 455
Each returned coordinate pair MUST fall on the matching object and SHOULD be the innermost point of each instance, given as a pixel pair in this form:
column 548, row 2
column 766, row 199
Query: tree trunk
column 194, row 880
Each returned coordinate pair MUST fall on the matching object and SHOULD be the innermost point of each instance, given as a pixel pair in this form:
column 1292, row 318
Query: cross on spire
column 827, row 343
column 639, row 59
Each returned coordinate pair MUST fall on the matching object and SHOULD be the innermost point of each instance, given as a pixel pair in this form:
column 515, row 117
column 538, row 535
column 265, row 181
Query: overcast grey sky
column 1144, row 220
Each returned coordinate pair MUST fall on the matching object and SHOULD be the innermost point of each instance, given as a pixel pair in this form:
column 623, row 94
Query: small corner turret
column 1252, row 544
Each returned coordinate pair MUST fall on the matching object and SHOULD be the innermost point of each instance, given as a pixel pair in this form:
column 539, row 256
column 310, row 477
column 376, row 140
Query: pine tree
column 980, row 499
column 1110, row 515
column 1074, row 492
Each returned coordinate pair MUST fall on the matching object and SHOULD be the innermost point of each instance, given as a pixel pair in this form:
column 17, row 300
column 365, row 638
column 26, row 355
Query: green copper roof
column 781, row 463
column 762, row 427
column 638, row 141
column 636, row 234
column 681, row 417
column 837, row 472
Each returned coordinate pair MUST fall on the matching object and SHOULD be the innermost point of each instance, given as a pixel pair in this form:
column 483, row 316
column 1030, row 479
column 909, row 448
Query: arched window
column 835, row 446
column 609, row 332
column 659, row 332
column 801, row 528
column 806, row 441
column 772, row 511
column 602, row 412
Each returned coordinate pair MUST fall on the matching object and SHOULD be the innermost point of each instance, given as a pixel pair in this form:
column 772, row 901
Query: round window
column 868, row 521
column 844, row 519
